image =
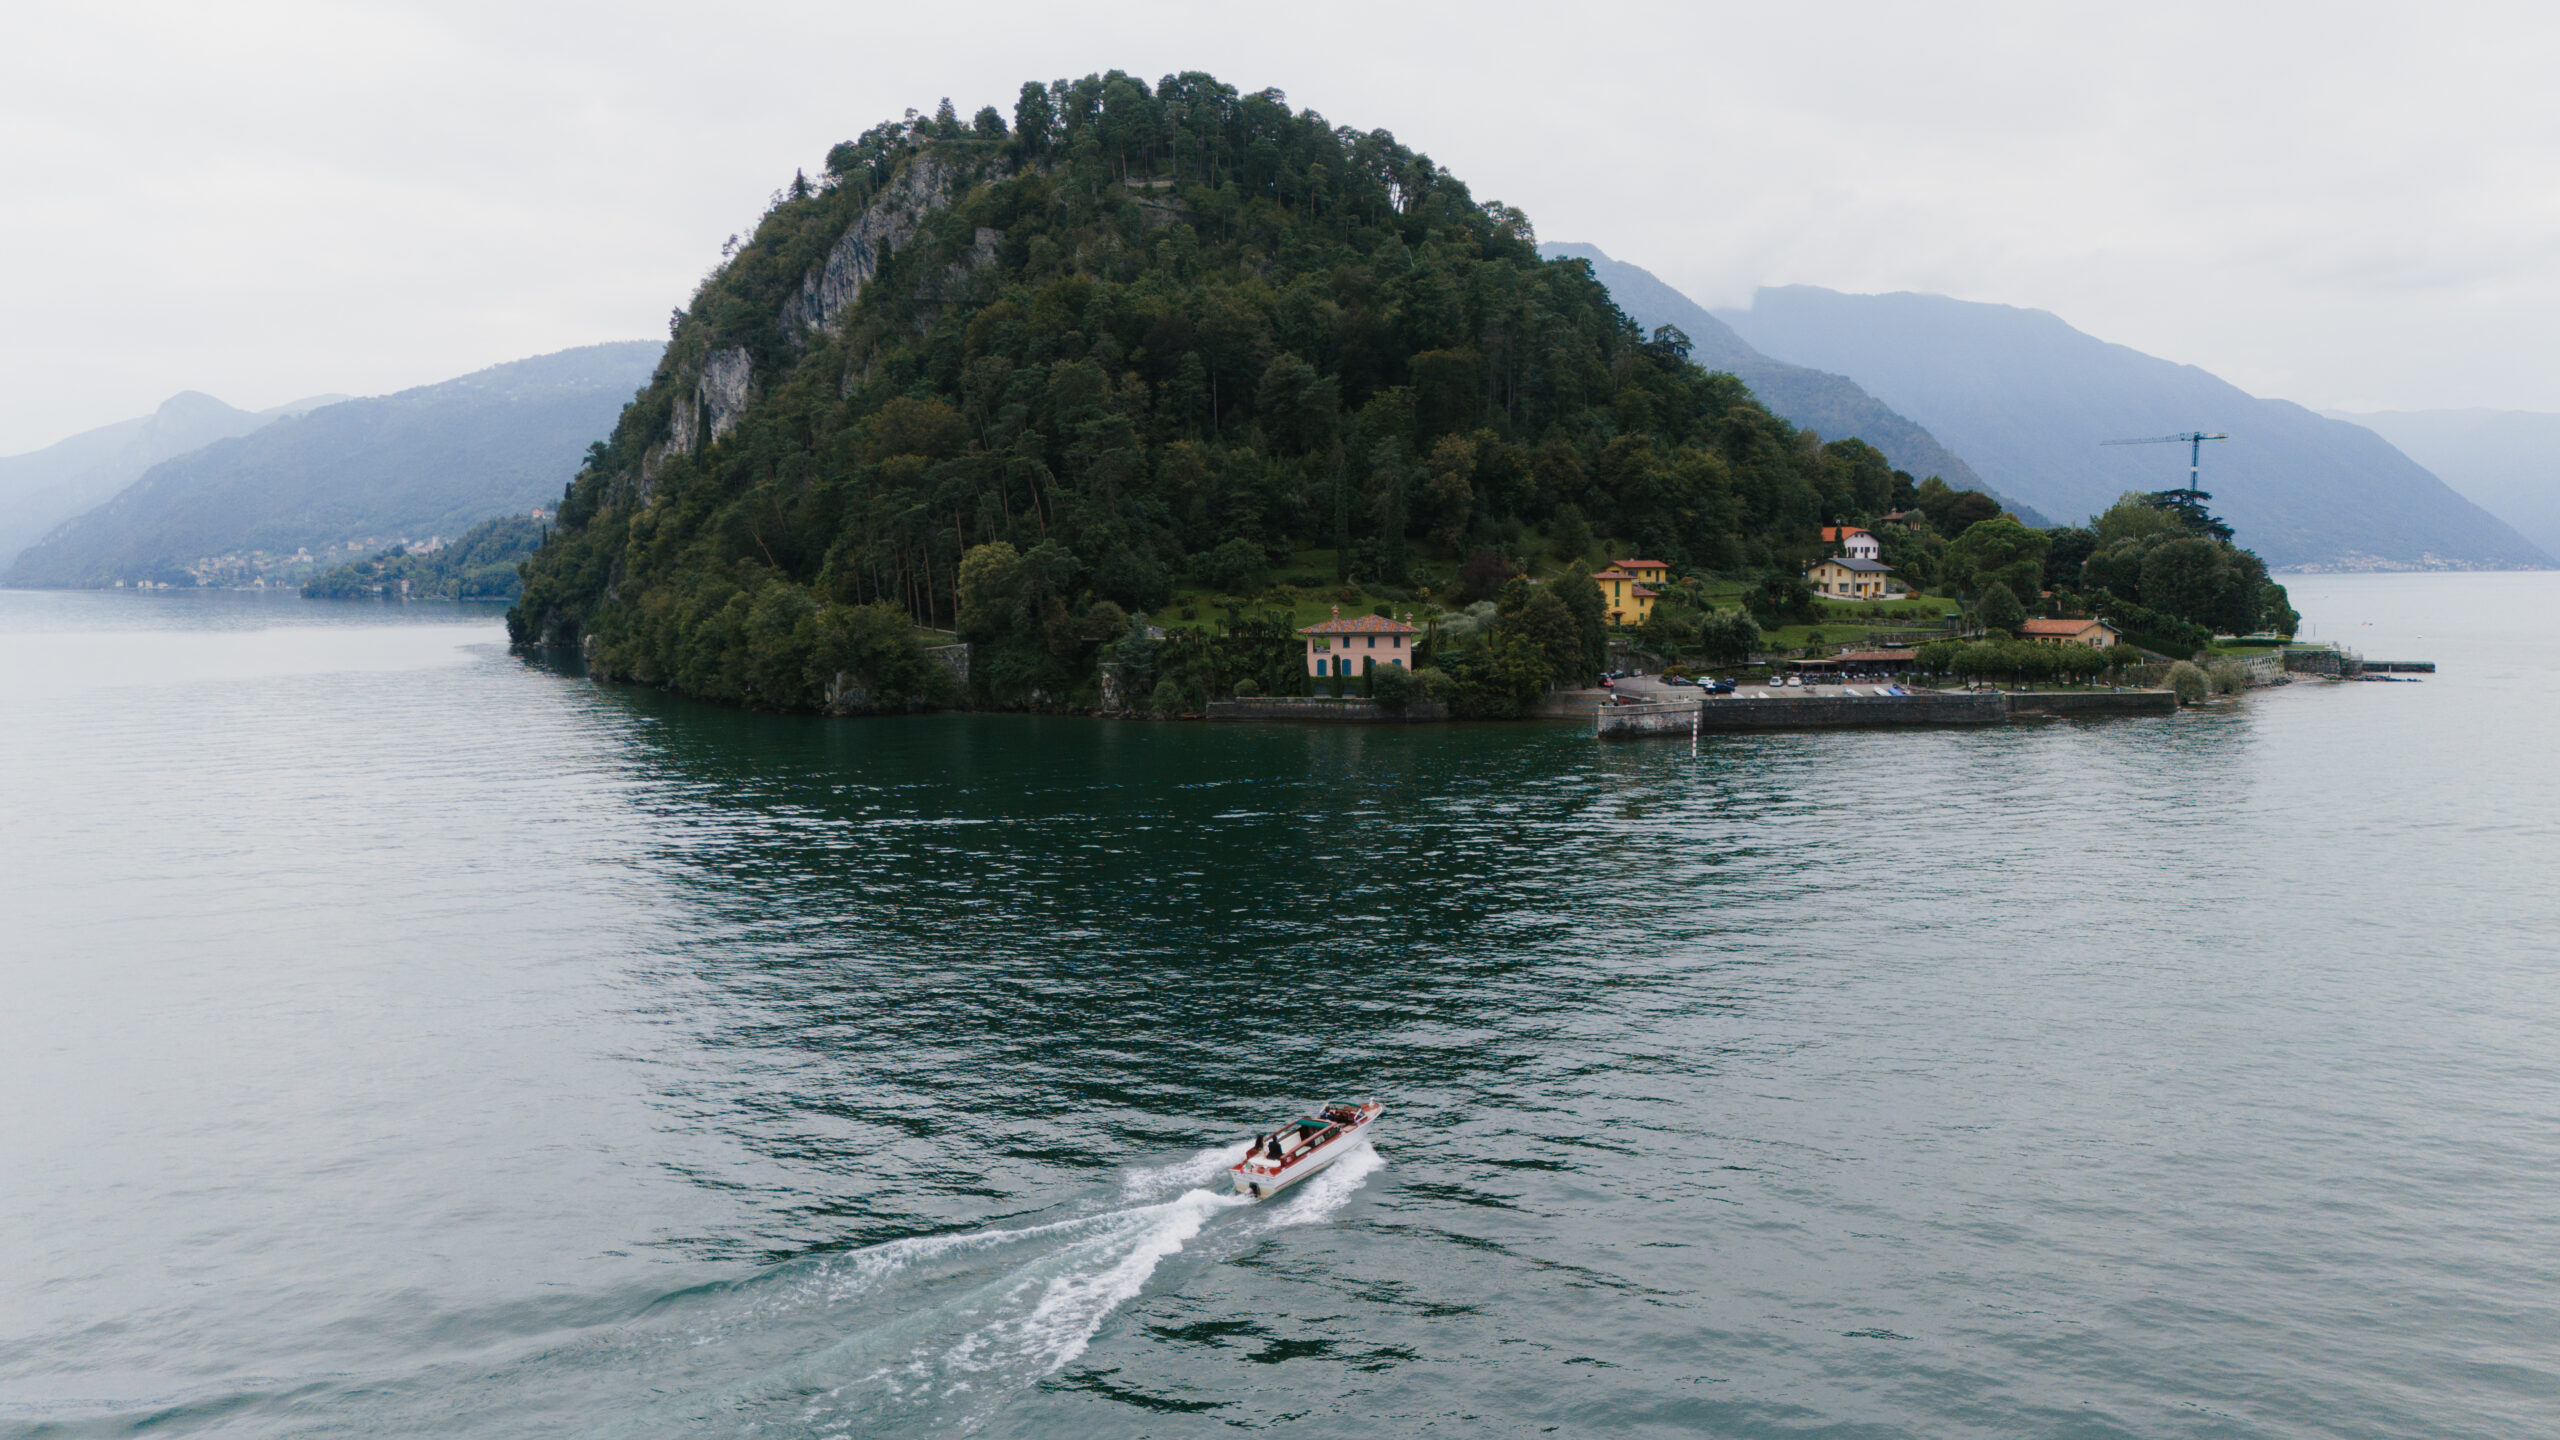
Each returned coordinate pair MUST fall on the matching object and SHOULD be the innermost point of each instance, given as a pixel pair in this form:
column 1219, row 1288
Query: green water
column 405, row 1039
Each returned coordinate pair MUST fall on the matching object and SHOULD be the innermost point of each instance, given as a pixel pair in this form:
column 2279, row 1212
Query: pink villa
column 1353, row 646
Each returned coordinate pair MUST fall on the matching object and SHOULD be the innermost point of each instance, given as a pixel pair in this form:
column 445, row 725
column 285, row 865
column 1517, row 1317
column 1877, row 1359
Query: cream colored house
column 2096, row 634
column 1846, row 577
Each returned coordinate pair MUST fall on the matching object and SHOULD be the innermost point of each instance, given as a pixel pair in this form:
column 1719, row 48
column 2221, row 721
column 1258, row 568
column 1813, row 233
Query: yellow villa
column 1629, row 588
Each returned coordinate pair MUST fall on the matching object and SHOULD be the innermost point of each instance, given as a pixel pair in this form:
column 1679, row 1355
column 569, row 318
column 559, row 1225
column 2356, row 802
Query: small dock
column 2336, row 662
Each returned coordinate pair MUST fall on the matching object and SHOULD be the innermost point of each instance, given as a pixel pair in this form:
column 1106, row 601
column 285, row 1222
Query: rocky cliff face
column 884, row 227
column 711, row 394
column 719, row 397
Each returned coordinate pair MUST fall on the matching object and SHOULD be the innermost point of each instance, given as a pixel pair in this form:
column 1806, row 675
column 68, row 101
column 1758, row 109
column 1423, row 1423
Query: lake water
column 401, row 1039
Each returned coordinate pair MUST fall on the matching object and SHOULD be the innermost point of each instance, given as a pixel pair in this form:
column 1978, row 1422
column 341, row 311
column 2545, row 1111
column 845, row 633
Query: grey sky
column 2352, row 206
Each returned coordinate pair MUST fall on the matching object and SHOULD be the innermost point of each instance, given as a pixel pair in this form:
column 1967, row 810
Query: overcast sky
column 2351, row 206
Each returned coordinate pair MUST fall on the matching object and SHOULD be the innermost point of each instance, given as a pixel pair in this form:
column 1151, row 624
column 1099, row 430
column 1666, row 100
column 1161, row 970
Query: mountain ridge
column 2029, row 399
column 2507, row 462
column 432, row 458
column 1832, row 405
column 42, row 488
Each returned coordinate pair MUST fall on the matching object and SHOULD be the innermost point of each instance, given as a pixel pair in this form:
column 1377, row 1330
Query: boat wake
column 932, row 1334
column 941, row 1332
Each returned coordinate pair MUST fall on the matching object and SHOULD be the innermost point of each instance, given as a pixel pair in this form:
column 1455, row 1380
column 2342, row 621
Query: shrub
column 1392, row 687
column 1570, row 536
column 2000, row 609
column 2229, row 676
column 2189, row 682
column 1483, row 575
column 1246, row 689
column 1233, row 567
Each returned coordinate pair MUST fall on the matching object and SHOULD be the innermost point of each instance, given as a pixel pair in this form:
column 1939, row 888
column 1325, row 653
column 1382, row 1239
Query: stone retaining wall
column 1804, row 712
column 1324, row 710
column 1827, row 712
column 2094, row 702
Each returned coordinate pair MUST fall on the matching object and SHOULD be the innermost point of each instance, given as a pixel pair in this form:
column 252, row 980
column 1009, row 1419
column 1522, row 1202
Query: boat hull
column 1261, row 1179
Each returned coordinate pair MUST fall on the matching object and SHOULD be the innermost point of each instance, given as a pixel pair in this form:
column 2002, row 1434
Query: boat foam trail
column 1208, row 1168
column 949, row 1328
column 1320, row 1197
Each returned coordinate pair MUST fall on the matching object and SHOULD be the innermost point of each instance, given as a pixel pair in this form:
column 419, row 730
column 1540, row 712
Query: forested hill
column 1123, row 328
column 1828, row 404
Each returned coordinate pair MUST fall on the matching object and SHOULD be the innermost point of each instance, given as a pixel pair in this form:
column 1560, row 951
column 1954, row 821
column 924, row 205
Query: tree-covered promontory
column 1141, row 336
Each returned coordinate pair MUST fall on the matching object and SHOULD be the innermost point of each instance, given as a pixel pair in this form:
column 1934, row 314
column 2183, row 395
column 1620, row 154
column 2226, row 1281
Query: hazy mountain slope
column 43, row 488
column 2028, row 399
column 437, row 458
column 1832, row 406
column 2505, row 461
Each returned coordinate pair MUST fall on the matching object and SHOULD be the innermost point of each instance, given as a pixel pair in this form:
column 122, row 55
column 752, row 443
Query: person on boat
column 1274, row 1151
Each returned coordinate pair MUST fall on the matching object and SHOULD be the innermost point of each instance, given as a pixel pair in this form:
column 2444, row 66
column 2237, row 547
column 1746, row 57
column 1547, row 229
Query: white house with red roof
column 1357, row 645
column 1854, row 543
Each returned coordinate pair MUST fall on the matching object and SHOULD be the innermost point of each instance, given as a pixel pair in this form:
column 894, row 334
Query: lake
column 402, row 1038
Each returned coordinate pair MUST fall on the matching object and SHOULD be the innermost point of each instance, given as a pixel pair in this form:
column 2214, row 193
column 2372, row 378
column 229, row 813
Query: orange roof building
column 1351, row 647
column 2096, row 634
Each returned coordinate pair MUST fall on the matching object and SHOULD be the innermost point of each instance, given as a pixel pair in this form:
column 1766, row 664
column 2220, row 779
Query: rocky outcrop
column 726, row 377
column 888, row 224
column 719, row 396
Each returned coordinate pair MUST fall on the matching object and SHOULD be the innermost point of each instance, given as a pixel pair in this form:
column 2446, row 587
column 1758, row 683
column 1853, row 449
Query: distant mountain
column 2507, row 462
column 436, row 459
column 43, row 488
column 2029, row 399
column 1832, row 406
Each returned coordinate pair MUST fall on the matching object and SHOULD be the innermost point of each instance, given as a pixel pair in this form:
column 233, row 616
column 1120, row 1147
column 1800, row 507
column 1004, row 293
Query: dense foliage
column 1151, row 334
column 481, row 565
column 2160, row 557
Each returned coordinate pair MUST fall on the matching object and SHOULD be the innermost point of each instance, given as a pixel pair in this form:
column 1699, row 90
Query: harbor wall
column 1325, row 710
column 1803, row 712
column 2094, row 702
column 1827, row 712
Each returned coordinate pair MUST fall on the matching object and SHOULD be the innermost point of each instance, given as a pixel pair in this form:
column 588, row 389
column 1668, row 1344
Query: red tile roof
column 1646, row 591
column 1831, row 533
column 1642, row 565
column 1612, row 573
column 1361, row 625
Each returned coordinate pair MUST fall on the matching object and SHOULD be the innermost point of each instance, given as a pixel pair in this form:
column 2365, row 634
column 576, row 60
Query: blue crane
column 2194, row 441
column 2187, row 503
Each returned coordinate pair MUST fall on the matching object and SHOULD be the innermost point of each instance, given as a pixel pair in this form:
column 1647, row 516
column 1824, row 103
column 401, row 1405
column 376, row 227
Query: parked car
column 1718, row 687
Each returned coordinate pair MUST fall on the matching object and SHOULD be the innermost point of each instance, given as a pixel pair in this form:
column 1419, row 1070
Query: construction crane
column 2193, row 440
column 2190, row 501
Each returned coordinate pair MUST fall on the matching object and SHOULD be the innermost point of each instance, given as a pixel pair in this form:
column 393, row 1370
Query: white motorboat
column 1281, row 1158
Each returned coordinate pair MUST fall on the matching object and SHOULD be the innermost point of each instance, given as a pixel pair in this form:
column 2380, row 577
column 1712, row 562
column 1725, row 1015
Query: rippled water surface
column 399, row 1038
